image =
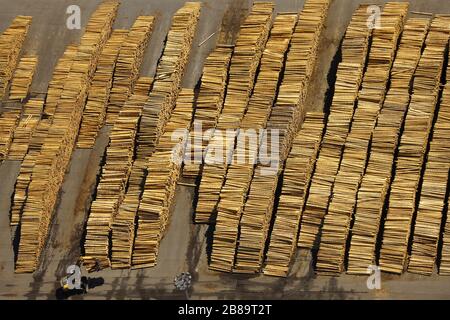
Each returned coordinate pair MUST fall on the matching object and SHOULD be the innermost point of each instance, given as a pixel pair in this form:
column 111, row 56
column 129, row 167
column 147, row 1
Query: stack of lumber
column 26, row 169
column 348, row 80
column 167, row 81
column 22, row 78
column 56, row 84
column 53, row 159
column 433, row 196
column 164, row 168
column 8, row 123
column 232, row 195
column 11, row 42
column 31, row 116
column 296, row 179
column 412, row 148
column 243, row 66
column 143, row 86
column 95, row 109
column 113, row 181
column 336, row 224
column 128, row 64
column 53, row 94
column 282, row 125
column 376, row 180
column 207, row 108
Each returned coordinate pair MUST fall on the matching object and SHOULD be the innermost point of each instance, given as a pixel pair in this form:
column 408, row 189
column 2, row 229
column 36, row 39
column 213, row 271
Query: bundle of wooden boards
column 54, row 156
column 208, row 107
column 22, row 78
column 336, row 224
column 412, row 148
column 95, row 110
column 8, row 123
column 232, row 195
column 56, row 84
column 128, row 64
column 243, row 66
column 30, row 118
column 283, row 123
column 348, row 80
column 296, row 178
column 164, row 169
column 11, row 42
column 376, row 180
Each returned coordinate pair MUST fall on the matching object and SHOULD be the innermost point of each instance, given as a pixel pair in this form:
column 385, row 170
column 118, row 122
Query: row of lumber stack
column 163, row 91
column 113, row 181
column 123, row 217
column 348, row 80
column 243, row 66
column 8, row 123
column 11, row 42
column 412, row 149
column 95, row 110
column 59, row 76
column 167, row 82
column 282, row 125
column 434, row 197
column 336, row 224
column 37, row 137
column 207, row 108
column 240, row 171
column 164, row 168
column 26, row 169
column 376, row 180
column 53, row 160
column 296, row 179
column 30, row 118
column 128, row 64
column 22, row 78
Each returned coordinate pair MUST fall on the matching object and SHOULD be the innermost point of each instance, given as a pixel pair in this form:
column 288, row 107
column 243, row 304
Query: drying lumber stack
column 164, row 167
column 167, row 81
column 22, row 78
column 348, row 80
column 11, row 42
column 26, row 169
column 208, row 107
column 54, row 157
column 143, row 86
column 243, row 66
column 113, row 181
column 95, row 110
column 56, row 84
column 336, row 224
column 232, row 195
column 433, row 198
column 283, row 123
column 377, row 178
column 31, row 116
column 128, row 64
column 8, row 123
column 412, row 148
column 296, row 179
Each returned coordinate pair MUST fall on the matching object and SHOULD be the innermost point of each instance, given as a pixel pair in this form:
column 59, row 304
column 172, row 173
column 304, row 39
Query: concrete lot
column 184, row 246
